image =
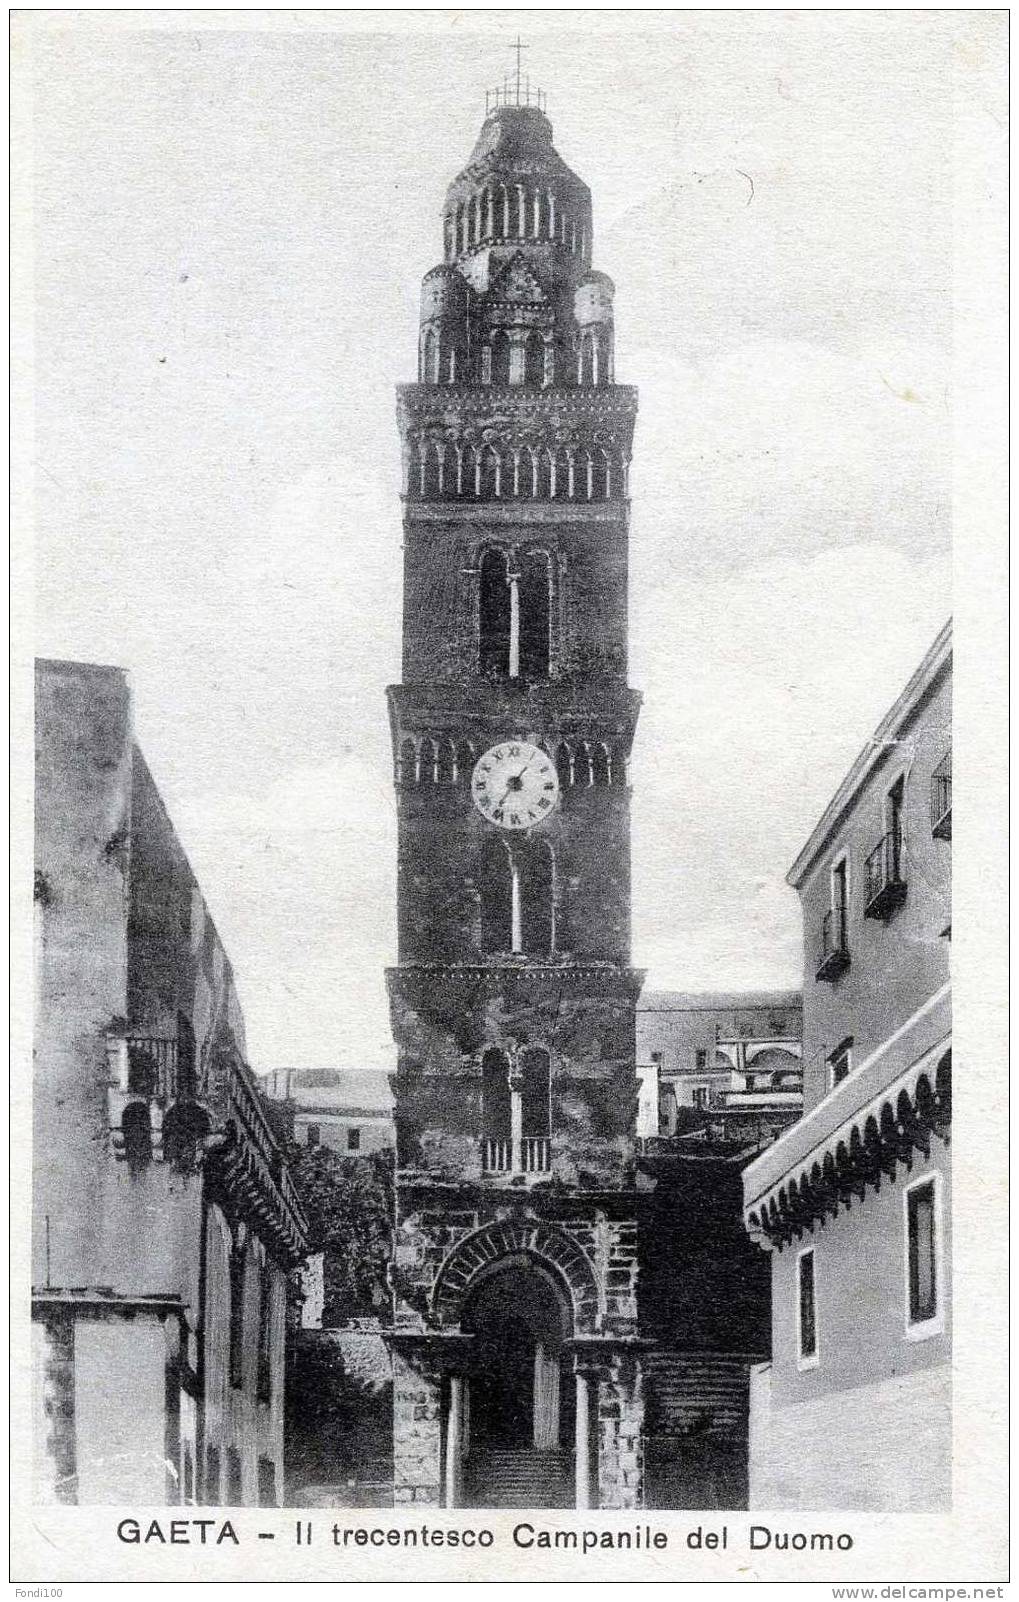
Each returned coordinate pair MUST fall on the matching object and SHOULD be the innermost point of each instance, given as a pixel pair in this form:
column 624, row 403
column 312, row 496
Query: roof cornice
column 933, row 666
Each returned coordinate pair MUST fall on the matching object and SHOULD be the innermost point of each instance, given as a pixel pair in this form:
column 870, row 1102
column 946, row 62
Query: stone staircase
column 525, row 1478
column 698, row 1393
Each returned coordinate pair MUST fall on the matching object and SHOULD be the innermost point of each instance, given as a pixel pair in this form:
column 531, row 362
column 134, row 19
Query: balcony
column 533, row 1155
column 885, row 885
column 834, row 957
column 941, row 799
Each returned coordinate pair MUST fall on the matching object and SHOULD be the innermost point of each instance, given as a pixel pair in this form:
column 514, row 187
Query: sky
column 232, row 215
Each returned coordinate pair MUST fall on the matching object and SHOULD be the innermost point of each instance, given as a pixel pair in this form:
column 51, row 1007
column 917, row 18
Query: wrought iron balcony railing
column 885, row 877
column 941, row 799
column 834, row 955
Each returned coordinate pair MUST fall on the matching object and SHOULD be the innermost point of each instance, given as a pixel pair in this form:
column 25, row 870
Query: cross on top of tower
column 516, row 87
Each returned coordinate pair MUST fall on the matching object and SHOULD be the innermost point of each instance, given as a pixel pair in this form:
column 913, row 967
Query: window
column 840, row 1062
column 700, row 1096
column 266, row 1482
column 234, row 1497
column 265, row 1332
column 535, row 1092
column 517, row 886
column 833, row 958
column 658, row 1058
column 700, row 1058
column 495, row 1094
column 353, row 1140
column 923, row 1248
column 840, row 902
column 237, row 1315
column 314, row 1134
column 212, row 1492
column 894, row 805
column 806, row 1309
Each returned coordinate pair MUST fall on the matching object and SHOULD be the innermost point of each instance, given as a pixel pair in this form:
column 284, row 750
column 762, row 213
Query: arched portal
column 518, row 1399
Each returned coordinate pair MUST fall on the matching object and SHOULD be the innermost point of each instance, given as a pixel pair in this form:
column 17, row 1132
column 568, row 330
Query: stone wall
column 620, row 1427
column 443, row 1021
column 417, row 1432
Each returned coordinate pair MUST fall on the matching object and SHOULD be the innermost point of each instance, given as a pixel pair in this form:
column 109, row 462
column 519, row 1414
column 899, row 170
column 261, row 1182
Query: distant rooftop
column 717, row 1000
column 334, row 1089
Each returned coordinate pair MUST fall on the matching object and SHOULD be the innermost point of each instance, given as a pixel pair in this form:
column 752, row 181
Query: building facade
column 854, row 1202
column 733, row 1056
column 164, row 1223
column 517, row 1369
column 350, row 1111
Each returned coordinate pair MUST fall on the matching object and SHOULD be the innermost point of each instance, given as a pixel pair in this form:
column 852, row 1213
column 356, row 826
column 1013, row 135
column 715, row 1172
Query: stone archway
column 554, row 1250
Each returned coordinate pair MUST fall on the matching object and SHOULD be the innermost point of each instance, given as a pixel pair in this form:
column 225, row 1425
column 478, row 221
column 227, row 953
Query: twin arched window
column 517, row 889
column 533, row 1084
column 515, row 615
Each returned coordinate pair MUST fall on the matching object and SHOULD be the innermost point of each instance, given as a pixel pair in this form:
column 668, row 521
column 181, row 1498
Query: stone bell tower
column 517, row 1378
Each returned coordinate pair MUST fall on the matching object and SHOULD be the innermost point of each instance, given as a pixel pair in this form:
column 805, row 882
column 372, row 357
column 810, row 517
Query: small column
column 514, row 639
column 582, row 1442
column 454, row 1434
column 516, row 921
column 516, row 1086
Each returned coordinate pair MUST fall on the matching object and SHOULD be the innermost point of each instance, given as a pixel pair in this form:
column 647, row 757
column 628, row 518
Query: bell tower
column 517, row 1377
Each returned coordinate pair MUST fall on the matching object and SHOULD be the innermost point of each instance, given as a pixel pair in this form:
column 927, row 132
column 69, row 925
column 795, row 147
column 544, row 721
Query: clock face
column 515, row 785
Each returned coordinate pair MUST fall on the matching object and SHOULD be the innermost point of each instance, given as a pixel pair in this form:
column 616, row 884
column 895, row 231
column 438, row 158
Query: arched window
column 600, row 766
column 535, row 611
column 536, row 1092
column 466, row 756
column 601, row 489
column 494, row 615
column 427, row 765
column 448, row 234
column 534, row 361
column 237, row 1315
column 500, row 357
column 136, row 1127
column 142, row 1069
column 187, row 1076
column 406, row 763
column 495, row 1094
column 430, row 357
column 587, row 368
column 564, row 766
column 502, row 212
column 536, row 890
column 445, row 763
column 496, row 882
column 185, row 1127
column 488, row 483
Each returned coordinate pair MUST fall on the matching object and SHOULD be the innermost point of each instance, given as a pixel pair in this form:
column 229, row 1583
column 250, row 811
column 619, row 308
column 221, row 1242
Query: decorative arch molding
column 550, row 1248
